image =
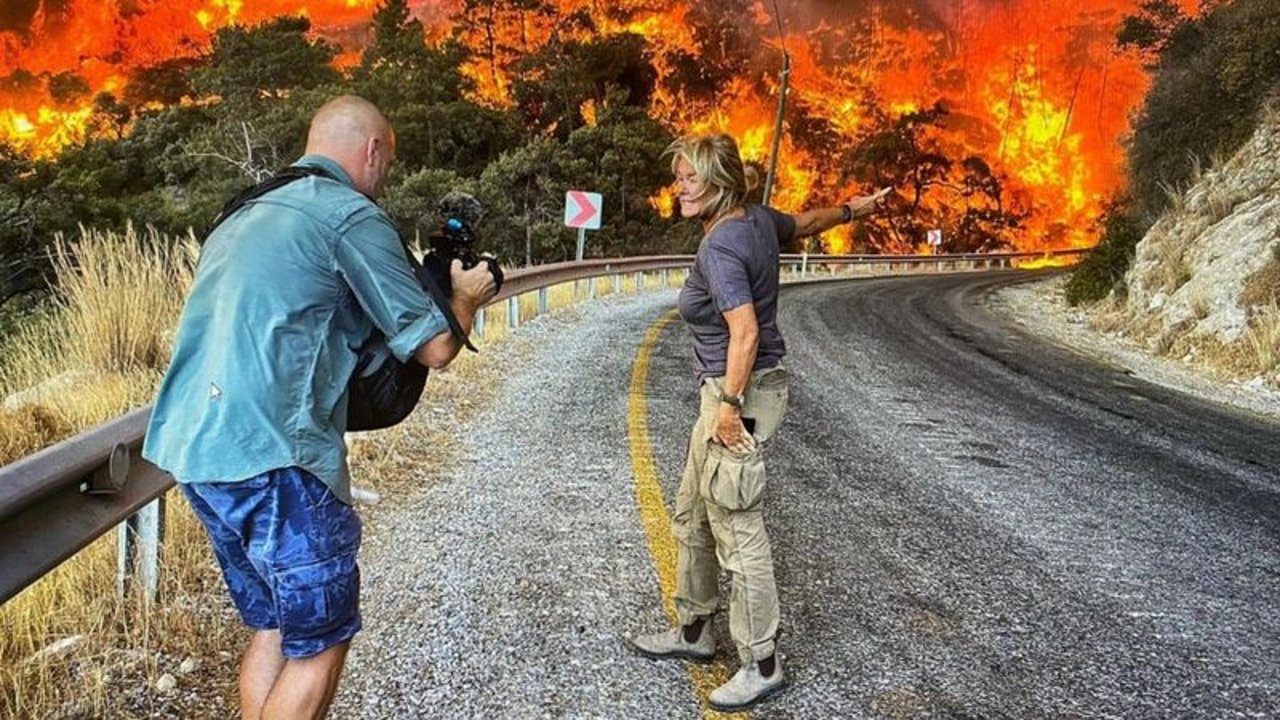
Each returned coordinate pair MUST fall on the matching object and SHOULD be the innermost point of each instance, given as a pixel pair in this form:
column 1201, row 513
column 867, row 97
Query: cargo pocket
column 317, row 599
column 732, row 481
column 767, row 402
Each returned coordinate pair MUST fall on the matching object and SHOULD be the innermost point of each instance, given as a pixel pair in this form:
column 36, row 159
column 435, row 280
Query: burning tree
column 964, row 198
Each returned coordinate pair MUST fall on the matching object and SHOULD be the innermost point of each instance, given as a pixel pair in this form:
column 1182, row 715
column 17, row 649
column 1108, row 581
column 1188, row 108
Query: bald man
column 250, row 416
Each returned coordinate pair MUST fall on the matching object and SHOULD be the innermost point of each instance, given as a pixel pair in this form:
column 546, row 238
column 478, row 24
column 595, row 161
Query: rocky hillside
column 1204, row 285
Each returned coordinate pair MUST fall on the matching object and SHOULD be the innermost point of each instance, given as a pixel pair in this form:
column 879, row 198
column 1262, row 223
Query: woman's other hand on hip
column 731, row 433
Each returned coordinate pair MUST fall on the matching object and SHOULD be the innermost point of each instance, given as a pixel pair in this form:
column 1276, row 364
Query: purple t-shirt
column 737, row 263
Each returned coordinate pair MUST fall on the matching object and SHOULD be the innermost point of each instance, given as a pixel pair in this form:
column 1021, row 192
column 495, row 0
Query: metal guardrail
column 56, row 501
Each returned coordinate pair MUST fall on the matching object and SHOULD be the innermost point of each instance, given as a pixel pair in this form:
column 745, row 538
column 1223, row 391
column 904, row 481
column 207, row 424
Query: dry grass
column 1200, row 306
column 1222, row 202
column 1263, row 339
column 1176, row 196
column 28, row 428
column 68, row 647
column 101, row 350
column 1263, row 287
column 1171, row 270
column 1108, row 315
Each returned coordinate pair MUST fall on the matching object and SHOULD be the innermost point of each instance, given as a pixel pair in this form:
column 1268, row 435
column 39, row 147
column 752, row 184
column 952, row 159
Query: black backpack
column 382, row 390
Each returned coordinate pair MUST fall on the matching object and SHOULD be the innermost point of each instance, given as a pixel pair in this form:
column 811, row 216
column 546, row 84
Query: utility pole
column 777, row 126
column 772, row 175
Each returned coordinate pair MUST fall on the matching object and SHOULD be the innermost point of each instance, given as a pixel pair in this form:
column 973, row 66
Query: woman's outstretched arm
column 820, row 220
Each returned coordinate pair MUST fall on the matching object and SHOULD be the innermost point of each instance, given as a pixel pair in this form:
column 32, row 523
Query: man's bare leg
column 259, row 669
column 305, row 687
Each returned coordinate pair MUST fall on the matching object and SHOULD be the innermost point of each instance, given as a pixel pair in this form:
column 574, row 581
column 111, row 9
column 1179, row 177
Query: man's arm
column 471, row 290
column 820, row 220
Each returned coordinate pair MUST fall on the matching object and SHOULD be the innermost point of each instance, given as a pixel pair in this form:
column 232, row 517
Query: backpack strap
column 429, row 283
column 278, row 180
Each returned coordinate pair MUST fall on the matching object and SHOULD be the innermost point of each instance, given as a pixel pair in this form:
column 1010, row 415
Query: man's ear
column 372, row 149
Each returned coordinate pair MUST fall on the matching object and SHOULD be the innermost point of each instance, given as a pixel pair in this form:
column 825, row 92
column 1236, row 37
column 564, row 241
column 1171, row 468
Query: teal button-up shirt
column 286, row 291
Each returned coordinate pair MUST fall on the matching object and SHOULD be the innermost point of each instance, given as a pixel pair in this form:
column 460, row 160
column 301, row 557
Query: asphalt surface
column 967, row 523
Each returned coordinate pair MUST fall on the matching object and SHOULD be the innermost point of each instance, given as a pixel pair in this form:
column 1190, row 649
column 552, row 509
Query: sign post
column 934, row 238
column 582, row 210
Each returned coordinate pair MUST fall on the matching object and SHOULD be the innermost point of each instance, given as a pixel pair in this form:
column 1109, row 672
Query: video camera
column 453, row 236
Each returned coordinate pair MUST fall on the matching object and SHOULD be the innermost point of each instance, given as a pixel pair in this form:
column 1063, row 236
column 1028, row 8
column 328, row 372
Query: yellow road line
column 653, row 510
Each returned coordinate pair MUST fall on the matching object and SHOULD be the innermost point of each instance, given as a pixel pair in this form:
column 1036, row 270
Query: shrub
column 1102, row 271
column 1213, row 78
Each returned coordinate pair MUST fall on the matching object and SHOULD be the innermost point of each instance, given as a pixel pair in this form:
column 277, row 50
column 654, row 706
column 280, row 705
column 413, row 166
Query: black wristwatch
column 734, row 400
column 848, row 213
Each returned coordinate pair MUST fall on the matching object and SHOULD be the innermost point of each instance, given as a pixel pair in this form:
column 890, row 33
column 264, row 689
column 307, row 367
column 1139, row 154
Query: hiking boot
column 747, row 687
column 671, row 644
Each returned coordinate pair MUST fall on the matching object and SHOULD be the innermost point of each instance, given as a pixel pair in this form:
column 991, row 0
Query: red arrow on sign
column 586, row 210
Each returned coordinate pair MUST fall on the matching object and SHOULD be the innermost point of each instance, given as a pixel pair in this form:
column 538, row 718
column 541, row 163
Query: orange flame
column 102, row 41
column 1033, row 87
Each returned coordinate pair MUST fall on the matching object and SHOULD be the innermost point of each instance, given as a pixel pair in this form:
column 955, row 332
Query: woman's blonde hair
column 717, row 167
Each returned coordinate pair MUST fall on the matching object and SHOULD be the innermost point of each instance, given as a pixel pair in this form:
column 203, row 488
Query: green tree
column 1204, row 103
column 421, row 88
column 1102, row 271
column 620, row 157
column 552, row 84
column 164, row 83
column 1151, row 29
column 21, row 194
column 525, row 177
column 266, row 61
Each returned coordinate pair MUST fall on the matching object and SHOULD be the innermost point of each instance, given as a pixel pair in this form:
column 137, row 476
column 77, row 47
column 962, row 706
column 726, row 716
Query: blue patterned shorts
column 287, row 547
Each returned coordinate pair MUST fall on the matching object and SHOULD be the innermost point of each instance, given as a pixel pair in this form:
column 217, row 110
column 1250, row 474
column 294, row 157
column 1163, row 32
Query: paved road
column 967, row 523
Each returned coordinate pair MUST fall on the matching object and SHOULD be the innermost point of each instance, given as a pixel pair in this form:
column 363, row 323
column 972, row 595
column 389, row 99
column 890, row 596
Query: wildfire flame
column 1033, row 87
column 101, row 41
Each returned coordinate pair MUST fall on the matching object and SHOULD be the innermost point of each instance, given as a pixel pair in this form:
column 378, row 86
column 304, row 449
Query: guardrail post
column 477, row 325
column 513, row 312
column 591, row 288
column 664, row 278
column 804, row 264
column 639, row 281
column 139, row 543
column 542, row 301
column 617, row 284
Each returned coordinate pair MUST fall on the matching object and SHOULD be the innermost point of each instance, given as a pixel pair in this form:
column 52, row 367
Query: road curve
column 967, row 523
column 971, row 523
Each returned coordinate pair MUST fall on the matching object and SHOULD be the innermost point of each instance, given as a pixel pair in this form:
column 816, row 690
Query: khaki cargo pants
column 719, row 519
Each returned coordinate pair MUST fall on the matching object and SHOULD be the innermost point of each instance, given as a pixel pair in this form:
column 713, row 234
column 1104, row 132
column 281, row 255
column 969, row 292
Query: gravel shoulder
column 501, row 585
column 1040, row 308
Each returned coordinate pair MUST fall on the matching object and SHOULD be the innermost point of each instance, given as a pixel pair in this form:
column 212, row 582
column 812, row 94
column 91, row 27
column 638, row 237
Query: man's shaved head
column 346, row 121
column 353, row 132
